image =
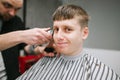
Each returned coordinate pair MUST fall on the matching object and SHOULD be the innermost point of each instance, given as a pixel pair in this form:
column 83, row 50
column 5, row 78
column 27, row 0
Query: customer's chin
column 63, row 51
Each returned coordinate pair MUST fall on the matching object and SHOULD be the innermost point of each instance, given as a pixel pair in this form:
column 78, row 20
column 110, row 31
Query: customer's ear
column 85, row 32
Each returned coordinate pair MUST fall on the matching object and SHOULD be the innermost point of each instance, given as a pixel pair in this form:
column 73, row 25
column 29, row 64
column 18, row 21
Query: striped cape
column 79, row 67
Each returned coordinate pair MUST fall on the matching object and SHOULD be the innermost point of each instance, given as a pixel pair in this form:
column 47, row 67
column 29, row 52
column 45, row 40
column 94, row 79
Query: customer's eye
column 55, row 30
column 68, row 29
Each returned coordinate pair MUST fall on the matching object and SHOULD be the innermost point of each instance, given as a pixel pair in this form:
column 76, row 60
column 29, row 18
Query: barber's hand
column 41, row 50
column 36, row 36
column 50, row 50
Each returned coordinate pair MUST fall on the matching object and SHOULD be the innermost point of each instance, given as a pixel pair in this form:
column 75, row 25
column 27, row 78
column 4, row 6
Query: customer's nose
column 60, row 34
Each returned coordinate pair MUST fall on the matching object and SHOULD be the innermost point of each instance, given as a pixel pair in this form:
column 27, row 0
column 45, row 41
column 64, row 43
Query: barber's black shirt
column 10, row 56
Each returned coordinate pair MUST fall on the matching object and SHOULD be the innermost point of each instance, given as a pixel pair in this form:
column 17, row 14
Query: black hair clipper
column 49, row 48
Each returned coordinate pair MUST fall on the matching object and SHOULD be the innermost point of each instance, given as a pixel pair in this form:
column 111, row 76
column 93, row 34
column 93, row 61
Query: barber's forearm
column 9, row 40
column 31, row 36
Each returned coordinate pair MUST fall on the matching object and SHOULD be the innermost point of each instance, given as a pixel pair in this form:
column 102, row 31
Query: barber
column 8, row 9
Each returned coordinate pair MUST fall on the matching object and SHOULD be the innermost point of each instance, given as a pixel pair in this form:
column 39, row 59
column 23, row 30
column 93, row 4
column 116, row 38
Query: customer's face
column 9, row 8
column 69, row 36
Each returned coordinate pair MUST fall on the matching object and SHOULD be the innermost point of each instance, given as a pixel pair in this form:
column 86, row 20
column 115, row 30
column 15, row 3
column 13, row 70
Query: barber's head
column 9, row 8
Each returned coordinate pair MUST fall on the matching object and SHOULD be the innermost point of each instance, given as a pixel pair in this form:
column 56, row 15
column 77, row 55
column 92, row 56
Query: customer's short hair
column 65, row 12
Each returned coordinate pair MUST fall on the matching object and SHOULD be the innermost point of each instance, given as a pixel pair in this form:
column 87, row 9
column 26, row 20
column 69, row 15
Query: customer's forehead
column 73, row 21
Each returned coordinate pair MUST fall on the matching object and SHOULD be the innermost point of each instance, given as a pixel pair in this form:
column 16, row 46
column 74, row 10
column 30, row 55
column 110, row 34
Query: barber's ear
column 85, row 32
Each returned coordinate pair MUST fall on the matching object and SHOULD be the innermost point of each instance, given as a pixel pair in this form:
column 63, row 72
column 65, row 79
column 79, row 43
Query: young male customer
column 70, row 26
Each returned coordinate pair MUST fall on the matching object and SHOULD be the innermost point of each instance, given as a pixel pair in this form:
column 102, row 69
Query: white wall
column 39, row 12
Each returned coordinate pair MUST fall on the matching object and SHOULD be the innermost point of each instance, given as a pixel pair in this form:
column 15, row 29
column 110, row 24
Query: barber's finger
column 41, row 38
column 46, row 36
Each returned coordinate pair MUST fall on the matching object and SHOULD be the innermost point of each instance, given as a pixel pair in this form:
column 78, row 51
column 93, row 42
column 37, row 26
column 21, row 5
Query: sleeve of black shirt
column 13, row 24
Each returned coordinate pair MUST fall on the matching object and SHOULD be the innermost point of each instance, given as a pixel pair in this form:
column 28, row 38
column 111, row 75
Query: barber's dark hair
column 65, row 12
